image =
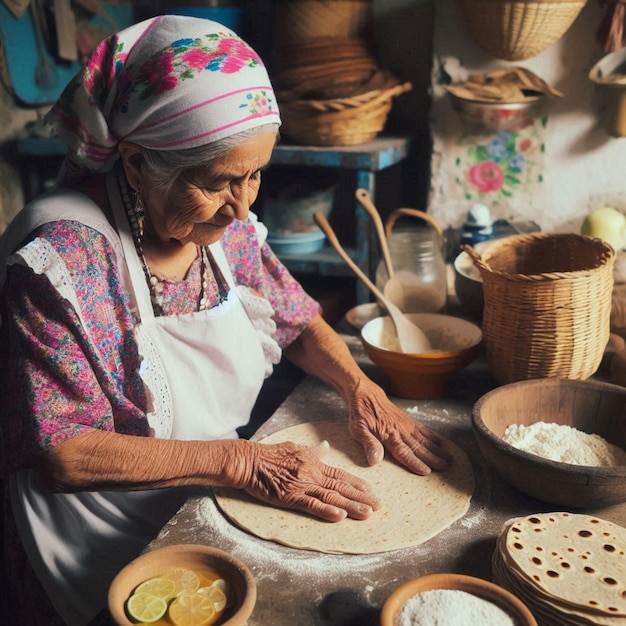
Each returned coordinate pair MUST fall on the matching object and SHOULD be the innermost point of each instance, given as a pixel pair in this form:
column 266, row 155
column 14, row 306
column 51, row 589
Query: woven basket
column 304, row 19
column 340, row 122
column 547, row 305
column 519, row 29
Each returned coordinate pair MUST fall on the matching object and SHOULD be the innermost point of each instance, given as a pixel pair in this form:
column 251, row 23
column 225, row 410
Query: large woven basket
column 303, row 19
column 519, row 29
column 547, row 305
column 339, row 122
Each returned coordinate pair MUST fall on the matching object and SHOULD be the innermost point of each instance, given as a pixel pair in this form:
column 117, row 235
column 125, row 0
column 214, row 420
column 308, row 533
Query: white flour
column 558, row 442
column 451, row 607
column 270, row 561
column 441, row 340
column 431, row 413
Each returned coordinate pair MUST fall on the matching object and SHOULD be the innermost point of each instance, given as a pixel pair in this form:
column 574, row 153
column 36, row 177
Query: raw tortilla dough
column 414, row 508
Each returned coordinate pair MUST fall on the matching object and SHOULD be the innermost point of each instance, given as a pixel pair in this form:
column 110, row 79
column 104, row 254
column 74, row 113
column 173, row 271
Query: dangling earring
column 140, row 214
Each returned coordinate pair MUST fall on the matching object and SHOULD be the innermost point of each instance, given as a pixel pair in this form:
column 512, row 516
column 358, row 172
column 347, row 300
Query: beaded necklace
column 154, row 283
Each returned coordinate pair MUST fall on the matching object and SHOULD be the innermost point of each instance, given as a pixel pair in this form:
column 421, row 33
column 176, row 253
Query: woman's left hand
column 378, row 424
column 375, row 422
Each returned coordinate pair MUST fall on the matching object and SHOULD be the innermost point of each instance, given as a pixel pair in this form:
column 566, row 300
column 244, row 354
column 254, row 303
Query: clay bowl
column 456, row 343
column 195, row 557
column 476, row 586
column 592, row 407
column 497, row 116
column 468, row 285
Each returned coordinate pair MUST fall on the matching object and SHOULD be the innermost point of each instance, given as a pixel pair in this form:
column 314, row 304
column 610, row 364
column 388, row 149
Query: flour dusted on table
column 562, row 443
column 451, row 607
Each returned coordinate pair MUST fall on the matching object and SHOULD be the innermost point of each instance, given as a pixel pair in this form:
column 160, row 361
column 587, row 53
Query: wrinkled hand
column 376, row 423
column 294, row 476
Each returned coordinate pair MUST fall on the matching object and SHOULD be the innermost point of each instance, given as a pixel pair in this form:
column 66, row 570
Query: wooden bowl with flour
column 588, row 407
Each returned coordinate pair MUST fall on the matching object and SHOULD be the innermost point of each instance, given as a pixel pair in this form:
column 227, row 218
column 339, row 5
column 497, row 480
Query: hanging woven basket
column 515, row 30
column 547, row 305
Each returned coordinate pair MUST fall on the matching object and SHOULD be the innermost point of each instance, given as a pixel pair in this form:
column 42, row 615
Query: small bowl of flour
column 454, row 600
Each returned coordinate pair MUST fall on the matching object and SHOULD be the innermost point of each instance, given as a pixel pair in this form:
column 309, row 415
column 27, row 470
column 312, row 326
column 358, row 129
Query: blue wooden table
column 366, row 160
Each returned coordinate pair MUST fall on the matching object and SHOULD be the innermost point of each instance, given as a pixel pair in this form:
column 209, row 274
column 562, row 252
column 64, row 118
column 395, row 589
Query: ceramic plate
column 363, row 313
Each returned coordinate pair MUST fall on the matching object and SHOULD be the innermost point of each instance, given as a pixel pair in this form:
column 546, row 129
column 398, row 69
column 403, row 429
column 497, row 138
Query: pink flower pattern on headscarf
column 197, row 59
column 166, row 83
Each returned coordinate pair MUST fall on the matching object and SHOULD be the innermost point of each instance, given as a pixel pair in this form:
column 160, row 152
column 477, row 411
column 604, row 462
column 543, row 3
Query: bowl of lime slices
column 183, row 584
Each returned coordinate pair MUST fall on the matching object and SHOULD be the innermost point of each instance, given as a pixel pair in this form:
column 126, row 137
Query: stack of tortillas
column 567, row 568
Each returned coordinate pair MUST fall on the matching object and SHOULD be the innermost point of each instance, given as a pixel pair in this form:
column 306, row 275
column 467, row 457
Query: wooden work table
column 297, row 587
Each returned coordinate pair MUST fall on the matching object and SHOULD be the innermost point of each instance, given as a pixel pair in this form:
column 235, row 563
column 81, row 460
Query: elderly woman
column 142, row 310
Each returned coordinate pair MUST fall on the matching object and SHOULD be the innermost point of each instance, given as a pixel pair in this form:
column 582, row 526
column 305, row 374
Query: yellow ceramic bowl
column 456, row 343
column 476, row 586
column 192, row 556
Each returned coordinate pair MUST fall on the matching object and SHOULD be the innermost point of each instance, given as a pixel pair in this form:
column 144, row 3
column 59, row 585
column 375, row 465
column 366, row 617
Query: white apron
column 202, row 371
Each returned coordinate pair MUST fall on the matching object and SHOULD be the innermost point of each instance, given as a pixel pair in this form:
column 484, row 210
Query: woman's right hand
column 285, row 475
column 293, row 476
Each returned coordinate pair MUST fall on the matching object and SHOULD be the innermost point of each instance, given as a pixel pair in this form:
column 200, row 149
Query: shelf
column 373, row 156
column 325, row 262
column 366, row 160
column 41, row 146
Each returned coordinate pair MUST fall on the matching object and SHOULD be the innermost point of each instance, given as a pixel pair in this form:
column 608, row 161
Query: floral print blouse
column 60, row 379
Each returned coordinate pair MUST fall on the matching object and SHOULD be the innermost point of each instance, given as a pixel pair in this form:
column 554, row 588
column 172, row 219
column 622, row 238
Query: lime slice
column 145, row 607
column 216, row 595
column 191, row 609
column 160, row 587
column 227, row 588
column 185, row 580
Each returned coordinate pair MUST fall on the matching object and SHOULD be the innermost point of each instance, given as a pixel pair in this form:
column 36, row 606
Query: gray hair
column 165, row 166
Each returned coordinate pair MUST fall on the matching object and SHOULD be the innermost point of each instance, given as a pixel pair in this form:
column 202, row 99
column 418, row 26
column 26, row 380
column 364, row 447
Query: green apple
column 608, row 224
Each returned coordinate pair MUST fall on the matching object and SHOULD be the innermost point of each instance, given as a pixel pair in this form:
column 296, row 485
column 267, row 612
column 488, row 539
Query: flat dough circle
column 414, row 508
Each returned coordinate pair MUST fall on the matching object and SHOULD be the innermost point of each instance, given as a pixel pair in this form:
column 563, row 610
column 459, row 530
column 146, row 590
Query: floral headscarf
column 170, row 82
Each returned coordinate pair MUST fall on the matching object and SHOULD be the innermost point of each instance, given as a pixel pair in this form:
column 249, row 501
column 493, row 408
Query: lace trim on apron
column 42, row 258
column 260, row 312
column 160, row 410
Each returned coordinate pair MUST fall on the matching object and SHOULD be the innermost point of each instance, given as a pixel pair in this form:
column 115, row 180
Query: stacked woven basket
column 329, row 85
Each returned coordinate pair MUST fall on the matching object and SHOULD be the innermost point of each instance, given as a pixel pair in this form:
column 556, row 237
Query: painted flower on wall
column 486, row 176
column 500, row 164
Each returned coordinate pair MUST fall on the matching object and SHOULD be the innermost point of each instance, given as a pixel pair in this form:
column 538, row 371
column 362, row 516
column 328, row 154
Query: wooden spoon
column 411, row 338
column 393, row 288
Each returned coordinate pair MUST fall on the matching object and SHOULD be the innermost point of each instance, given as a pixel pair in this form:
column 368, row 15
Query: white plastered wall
column 579, row 166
